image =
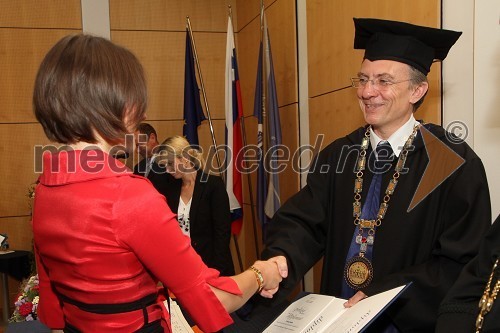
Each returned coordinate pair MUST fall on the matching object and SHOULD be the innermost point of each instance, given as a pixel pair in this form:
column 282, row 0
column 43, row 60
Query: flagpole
column 265, row 122
column 249, row 178
column 195, row 53
column 265, row 142
column 235, row 239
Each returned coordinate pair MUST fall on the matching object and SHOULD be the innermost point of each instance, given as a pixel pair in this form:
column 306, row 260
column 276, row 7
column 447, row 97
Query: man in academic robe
column 393, row 202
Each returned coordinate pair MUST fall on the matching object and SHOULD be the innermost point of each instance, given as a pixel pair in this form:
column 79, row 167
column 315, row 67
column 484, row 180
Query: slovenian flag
column 234, row 145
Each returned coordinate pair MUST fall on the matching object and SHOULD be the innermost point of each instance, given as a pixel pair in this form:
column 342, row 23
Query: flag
column 261, row 174
column 234, row 143
column 268, row 133
column 193, row 112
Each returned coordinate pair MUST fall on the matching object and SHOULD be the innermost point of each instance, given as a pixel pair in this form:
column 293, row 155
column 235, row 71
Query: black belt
column 140, row 304
column 111, row 308
column 153, row 327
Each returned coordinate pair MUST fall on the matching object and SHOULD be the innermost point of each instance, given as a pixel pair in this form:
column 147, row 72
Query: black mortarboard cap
column 411, row 44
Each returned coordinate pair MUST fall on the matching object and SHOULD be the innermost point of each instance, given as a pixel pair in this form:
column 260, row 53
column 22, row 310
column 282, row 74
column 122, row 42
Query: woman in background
column 103, row 237
column 199, row 200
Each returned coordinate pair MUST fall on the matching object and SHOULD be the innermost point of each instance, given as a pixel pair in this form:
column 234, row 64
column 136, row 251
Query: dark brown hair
column 145, row 128
column 87, row 85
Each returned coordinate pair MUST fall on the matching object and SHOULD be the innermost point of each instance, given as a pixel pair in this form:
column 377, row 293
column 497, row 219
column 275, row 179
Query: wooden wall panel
column 205, row 137
column 249, row 10
column 166, row 128
column 247, row 239
column 212, row 57
column 282, row 35
column 162, row 55
column 332, row 60
column 17, row 169
column 22, row 51
column 247, row 48
column 430, row 111
column 334, row 115
column 289, row 179
column 281, row 25
column 169, row 15
column 59, row 14
column 19, row 230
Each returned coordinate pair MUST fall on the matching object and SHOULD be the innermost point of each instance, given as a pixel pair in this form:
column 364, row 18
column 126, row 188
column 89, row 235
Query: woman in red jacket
column 105, row 238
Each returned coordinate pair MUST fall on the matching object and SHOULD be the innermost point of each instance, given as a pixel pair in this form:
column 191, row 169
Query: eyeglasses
column 378, row 83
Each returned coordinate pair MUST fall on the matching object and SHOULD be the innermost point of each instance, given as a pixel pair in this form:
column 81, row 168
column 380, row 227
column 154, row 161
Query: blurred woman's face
column 178, row 166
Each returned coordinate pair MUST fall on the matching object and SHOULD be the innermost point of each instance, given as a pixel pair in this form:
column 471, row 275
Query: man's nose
column 368, row 90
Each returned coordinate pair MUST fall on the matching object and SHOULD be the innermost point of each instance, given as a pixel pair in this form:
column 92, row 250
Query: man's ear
column 419, row 92
column 152, row 136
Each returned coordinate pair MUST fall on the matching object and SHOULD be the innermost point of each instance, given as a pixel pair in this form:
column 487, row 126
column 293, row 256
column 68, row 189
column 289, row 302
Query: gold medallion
column 358, row 272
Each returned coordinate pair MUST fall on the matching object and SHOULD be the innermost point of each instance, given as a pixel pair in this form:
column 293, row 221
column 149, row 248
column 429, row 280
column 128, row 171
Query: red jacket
column 103, row 235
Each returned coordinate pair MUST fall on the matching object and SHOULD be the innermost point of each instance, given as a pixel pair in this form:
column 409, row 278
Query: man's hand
column 355, row 299
column 274, row 270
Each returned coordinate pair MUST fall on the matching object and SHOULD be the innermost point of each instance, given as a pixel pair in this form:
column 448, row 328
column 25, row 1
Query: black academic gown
column 428, row 245
column 459, row 310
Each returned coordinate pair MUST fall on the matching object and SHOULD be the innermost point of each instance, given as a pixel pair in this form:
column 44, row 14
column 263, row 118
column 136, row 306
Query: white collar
column 398, row 139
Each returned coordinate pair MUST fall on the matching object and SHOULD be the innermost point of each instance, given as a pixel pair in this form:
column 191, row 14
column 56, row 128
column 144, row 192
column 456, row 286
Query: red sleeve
column 49, row 309
column 151, row 231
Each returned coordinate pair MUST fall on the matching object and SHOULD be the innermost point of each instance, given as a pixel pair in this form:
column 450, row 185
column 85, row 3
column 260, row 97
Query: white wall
column 95, row 17
column 486, row 93
column 471, row 88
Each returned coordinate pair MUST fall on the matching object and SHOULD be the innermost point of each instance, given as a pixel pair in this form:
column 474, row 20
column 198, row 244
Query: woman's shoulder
column 136, row 188
column 137, row 195
column 209, row 178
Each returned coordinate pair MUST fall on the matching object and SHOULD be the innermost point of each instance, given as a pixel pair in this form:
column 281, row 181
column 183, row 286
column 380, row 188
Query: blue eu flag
column 193, row 112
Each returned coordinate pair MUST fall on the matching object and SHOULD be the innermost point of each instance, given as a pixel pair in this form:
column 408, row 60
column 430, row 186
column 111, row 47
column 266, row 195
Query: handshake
column 269, row 274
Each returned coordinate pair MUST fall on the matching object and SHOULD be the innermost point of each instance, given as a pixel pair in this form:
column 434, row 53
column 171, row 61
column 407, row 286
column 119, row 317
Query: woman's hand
column 273, row 270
